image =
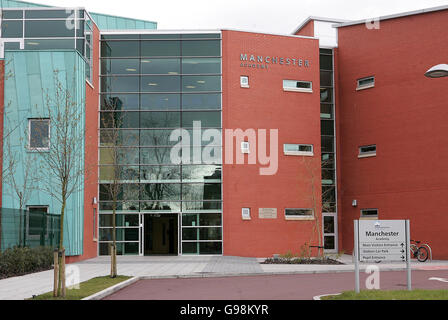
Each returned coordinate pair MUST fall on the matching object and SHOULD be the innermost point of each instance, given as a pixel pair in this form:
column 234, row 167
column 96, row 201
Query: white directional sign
column 383, row 240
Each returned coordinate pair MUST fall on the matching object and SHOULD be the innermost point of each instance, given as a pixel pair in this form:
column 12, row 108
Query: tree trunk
column 1, row 230
column 56, row 273
column 61, row 250
column 113, row 260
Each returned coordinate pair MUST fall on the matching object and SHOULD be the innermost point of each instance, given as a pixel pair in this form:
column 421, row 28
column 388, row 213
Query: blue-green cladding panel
column 29, row 79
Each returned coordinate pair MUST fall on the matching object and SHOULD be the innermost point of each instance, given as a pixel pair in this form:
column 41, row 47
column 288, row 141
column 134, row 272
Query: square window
column 298, row 149
column 298, row 86
column 246, row 214
column 39, row 134
column 367, row 151
column 244, row 81
column 365, row 83
column 245, row 148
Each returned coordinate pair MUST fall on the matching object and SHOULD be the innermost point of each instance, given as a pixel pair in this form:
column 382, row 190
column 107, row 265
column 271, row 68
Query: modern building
column 225, row 142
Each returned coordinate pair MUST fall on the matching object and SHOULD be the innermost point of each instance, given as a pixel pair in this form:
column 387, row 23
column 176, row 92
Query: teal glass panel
column 48, row 28
column 12, row 14
column 48, row 14
column 49, row 44
column 120, row 84
column 12, row 29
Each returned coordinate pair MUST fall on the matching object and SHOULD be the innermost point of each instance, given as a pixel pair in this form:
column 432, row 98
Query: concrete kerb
column 108, row 291
column 326, row 295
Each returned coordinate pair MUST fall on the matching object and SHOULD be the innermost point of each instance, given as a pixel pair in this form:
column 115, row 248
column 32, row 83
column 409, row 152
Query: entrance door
column 161, row 234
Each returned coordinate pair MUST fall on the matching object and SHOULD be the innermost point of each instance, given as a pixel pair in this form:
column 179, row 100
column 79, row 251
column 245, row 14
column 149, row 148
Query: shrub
column 18, row 261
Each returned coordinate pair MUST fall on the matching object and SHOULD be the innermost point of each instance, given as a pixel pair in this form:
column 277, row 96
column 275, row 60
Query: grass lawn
column 87, row 288
column 392, row 295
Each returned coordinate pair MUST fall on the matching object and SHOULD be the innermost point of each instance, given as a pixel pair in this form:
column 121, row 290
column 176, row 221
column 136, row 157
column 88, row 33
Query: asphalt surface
column 272, row 287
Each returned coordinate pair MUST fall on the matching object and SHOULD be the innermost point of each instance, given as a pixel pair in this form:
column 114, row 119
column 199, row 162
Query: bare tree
column 62, row 160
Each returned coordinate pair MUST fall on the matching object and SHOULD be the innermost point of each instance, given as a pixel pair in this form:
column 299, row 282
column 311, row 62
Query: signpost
column 382, row 241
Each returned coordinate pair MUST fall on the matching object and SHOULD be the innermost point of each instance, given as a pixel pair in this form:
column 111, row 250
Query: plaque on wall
column 267, row 213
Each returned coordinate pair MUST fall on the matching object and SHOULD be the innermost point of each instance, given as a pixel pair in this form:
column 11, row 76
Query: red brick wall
column 406, row 115
column 266, row 106
column 307, row 30
column 91, row 157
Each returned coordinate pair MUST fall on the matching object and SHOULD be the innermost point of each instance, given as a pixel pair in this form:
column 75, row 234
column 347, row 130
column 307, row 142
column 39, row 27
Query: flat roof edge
column 394, row 16
column 316, row 18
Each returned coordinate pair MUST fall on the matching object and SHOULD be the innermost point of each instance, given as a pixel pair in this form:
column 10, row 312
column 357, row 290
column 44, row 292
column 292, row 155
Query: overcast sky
column 275, row 16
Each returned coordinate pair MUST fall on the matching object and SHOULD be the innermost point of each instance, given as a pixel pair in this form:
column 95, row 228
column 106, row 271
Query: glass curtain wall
column 328, row 150
column 48, row 29
column 156, row 83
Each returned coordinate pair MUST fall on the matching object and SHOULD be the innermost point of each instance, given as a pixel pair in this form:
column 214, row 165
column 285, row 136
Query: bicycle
column 420, row 252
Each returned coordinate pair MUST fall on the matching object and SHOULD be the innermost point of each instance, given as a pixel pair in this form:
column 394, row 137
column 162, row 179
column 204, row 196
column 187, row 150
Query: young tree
column 62, row 159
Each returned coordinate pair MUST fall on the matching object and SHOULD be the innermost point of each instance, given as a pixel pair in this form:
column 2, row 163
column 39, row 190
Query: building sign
column 264, row 62
column 383, row 240
column 267, row 213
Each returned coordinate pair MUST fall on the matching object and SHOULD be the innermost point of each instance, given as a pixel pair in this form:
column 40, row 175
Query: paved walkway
column 185, row 266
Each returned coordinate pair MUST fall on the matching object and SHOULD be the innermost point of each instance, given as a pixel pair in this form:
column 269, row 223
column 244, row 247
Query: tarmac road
column 272, row 287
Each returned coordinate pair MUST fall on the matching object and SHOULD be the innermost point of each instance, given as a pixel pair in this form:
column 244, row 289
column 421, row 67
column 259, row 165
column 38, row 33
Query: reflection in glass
column 159, row 119
column 201, row 173
column 124, row 173
column 120, row 84
column 117, row 102
column 209, row 119
column 201, row 219
column 160, row 66
column 160, row 84
column 156, row 138
column 201, row 233
column 205, row 48
column 160, row 191
column 160, row 48
column 160, row 173
column 156, row 101
column 201, row 65
column 118, row 49
column 199, row 192
column 155, row 156
column 201, row 101
column 48, row 28
column 120, row 66
column 201, row 83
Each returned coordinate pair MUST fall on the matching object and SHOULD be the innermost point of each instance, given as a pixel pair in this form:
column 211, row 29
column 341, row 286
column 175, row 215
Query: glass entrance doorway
column 161, row 234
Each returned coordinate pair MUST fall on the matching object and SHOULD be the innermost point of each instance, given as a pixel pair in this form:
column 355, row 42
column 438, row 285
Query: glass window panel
column 327, row 127
column 156, row 138
column 201, row 83
column 160, row 84
column 119, row 102
column 120, row 206
column 155, row 156
column 198, row 173
column 326, row 111
column 199, row 192
column 328, row 177
column 48, row 28
column 39, row 136
column 124, row 192
column 119, row 120
column 160, row 66
column 162, row 206
column 131, row 248
column 201, row 36
column 201, row 219
column 45, row 44
column 328, row 160
column 329, row 243
column 117, row 49
column 121, row 220
column 127, row 138
column 160, row 173
column 160, row 191
column 201, row 65
column 160, row 48
column 201, row 206
column 201, row 233
column 190, row 248
column 329, row 226
column 326, row 95
column 207, row 119
column 160, row 36
column 326, row 62
column 211, row 140
column 36, row 14
column 156, row 101
column 327, row 144
column 202, row 248
column 120, row 84
column 12, row 46
column 326, row 78
column 205, row 48
column 125, row 173
column 328, row 207
column 120, row 66
column 328, row 194
column 127, row 248
column 159, row 119
column 125, row 156
column 12, row 29
column 201, row 101
column 36, row 220
column 120, row 37
column 12, row 14
column 80, row 48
